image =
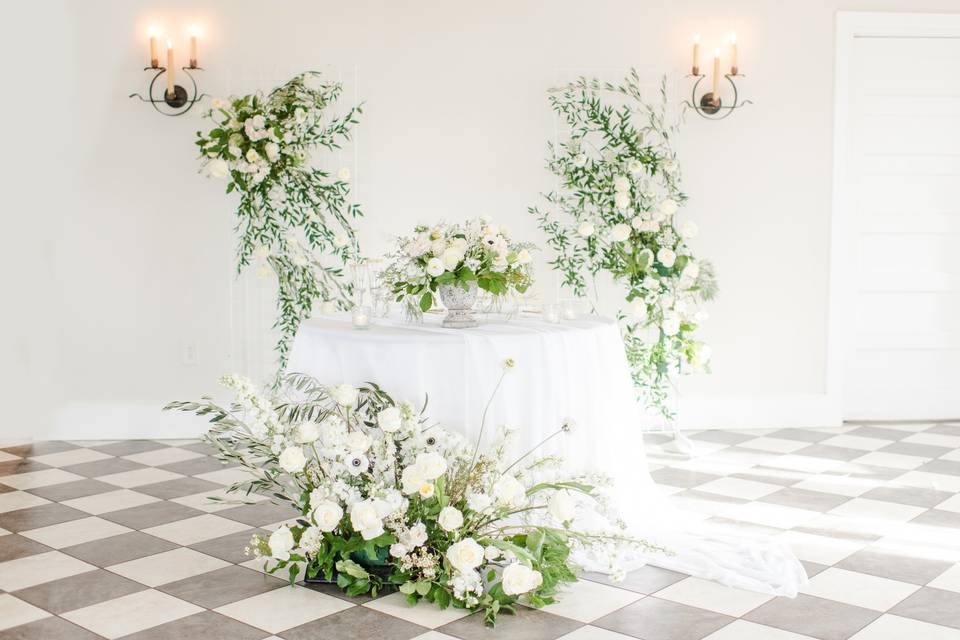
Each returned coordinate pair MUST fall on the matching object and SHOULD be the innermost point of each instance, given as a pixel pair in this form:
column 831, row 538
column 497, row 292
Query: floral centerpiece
column 452, row 261
column 291, row 214
column 617, row 211
column 386, row 500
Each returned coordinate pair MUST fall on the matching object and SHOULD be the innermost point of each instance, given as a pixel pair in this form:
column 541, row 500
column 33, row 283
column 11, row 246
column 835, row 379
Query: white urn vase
column 459, row 303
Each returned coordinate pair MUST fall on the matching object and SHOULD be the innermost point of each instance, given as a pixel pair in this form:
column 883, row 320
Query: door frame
column 851, row 25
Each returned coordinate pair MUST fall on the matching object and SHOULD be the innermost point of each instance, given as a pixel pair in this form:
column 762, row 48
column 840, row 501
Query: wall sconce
column 710, row 104
column 174, row 100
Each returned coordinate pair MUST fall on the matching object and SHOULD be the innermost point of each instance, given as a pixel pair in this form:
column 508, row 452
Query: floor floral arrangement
column 389, row 500
column 292, row 217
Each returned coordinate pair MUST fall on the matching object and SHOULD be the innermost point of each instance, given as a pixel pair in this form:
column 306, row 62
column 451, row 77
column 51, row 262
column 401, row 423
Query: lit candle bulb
column 716, row 76
column 171, row 91
column 154, row 59
column 194, row 32
column 696, row 54
column 733, row 54
column 361, row 318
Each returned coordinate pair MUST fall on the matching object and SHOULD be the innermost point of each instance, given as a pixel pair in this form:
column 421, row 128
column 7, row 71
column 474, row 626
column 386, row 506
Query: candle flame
column 195, row 31
column 733, row 37
column 696, row 38
column 716, row 52
column 152, row 31
column 169, row 43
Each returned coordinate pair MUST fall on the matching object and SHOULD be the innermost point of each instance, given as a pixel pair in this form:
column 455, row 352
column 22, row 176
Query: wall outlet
column 190, row 357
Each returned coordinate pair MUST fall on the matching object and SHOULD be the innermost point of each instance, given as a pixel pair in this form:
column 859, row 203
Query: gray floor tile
column 527, row 624
column 99, row 468
column 803, row 435
column 866, row 472
column 945, row 429
column 913, row 496
column 195, row 466
column 769, row 475
column 71, row 490
column 12, row 467
column 178, row 488
column 815, row 617
column 948, row 467
column 939, row 518
column 931, row 605
column 812, row 568
column 206, row 625
column 117, row 549
column 259, row 514
column 881, row 433
column 646, row 579
column 41, row 516
column 682, row 477
column 76, row 592
column 829, row 452
column 201, row 447
column 151, row 515
column 39, row 448
column 129, row 447
column 48, row 629
column 886, row 564
column 721, row 436
column 351, row 624
column 229, row 548
column 14, row 546
column 223, row 586
column 654, row 619
column 805, row 499
column 914, row 449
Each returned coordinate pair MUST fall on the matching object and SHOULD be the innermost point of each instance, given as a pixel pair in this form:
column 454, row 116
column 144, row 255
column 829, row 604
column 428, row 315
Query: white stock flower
column 292, row 460
column 218, row 168
column 365, row 520
column 281, row 543
column 450, row 519
column 518, row 579
column 389, row 420
column 414, row 536
column 451, row 258
column 327, row 515
column 666, row 257
column 688, row 229
column 669, row 207
column 307, row 432
column 621, row 200
column 508, row 491
column 465, row 555
column 435, row 267
column 344, row 394
column 585, row 229
column 620, row 232
column 562, row 506
column 621, row 183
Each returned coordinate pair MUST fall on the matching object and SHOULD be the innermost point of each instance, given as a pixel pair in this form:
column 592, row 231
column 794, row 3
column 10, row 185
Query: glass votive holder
column 361, row 318
column 328, row 307
column 568, row 309
column 551, row 313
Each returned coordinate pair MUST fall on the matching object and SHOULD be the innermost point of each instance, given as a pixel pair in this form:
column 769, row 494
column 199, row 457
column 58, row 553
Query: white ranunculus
column 689, row 229
column 364, row 519
column 414, row 536
column 389, row 420
column 638, row 309
column 218, row 168
column 585, row 229
column 435, row 267
column 426, row 490
column 634, row 166
column 358, row 442
column 666, row 257
column 478, row 502
column 344, row 174
column 491, row 553
column 344, row 394
column 451, row 257
column 579, row 160
column 397, row 550
column 327, row 515
column 669, row 207
column 272, row 150
column 524, row 257
column 620, row 232
column 307, row 432
column 450, row 519
column 671, row 324
column 621, row 199
column 508, row 491
column 621, row 183
column 637, row 223
column 518, row 579
column 281, row 543
column 292, row 460
column 411, row 479
column 465, row 555
column 252, row 155
column 432, row 464
column 562, row 506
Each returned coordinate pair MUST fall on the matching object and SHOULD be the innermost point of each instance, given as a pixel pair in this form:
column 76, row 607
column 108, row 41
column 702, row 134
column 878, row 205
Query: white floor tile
column 19, row 500
column 819, row 549
column 894, row 460
column 168, row 566
column 950, row 504
column 39, row 568
column 856, row 442
column 226, row 476
column 890, row 627
column 953, row 456
column 284, row 608
column 705, row 594
column 159, row 457
column 139, row 477
column 935, row 439
column 422, row 613
column 858, row 589
column 948, row 580
column 870, row 510
column 839, row 485
column 583, row 633
column 196, row 529
column 110, row 501
column 43, row 478
column 586, row 601
column 8, row 457
column 777, row 445
column 14, row 612
column 922, row 479
column 771, row 515
column 806, row 464
column 744, row 630
column 129, row 614
column 202, row 500
column 737, row 488
column 73, row 456
column 67, row 534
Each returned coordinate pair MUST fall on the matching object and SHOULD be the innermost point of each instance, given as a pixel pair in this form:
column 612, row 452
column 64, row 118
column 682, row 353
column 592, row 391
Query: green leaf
column 423, row 588
column 352, row 569
column 426, row 301
column 408, row 587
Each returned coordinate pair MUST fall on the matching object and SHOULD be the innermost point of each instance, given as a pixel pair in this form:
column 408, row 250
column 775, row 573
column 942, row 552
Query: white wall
column 118, row 255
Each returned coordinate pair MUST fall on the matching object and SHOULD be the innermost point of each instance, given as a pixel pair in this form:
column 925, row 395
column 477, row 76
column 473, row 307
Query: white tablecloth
column 574, row 370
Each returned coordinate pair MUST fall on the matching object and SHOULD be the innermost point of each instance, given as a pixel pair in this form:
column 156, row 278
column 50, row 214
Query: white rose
column 668, row 207
column 562, row 506
column 518, row 579
column 638, row 309
column 259, row 121
column 389, row 420
column 621, row 183
column 478, row 502
column 397, row 550
column 450, row 519
column 281, row 542
column 689, row 229
column 524, row 257
column 666, row 257
column 451, row 258
column 411, row 479
column 273, row 151
column 292, row 460
column 358, row 442
column 435, row 267
column 327, row 515
column 491, row 553
column 634, row 166
column 252, row 155
column 620, row 232
column 218, row 168
column 432, row 465
column 621, row 200
column 465, row 555
column 344, row 394
column 585, row 229
column 344, row 174
column 637, row 223
column 307, row 432
column 364, row 519
column 507, row 490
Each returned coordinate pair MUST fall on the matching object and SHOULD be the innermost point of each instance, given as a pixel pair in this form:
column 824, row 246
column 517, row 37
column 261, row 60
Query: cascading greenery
column 293, row 219
column 614, row 210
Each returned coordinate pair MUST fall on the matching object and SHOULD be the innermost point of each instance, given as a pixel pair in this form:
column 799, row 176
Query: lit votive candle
column 551, row 313
column 328, row 307
column 361, row 318
column 568, row 310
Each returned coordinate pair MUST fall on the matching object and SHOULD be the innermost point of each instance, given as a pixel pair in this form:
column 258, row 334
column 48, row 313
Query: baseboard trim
column 760, row 411
column 123, row 423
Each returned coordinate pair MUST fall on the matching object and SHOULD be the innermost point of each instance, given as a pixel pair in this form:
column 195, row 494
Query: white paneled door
column 898, row 263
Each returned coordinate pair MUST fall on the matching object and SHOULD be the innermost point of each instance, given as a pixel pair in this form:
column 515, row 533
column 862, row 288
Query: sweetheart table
column 572, row 371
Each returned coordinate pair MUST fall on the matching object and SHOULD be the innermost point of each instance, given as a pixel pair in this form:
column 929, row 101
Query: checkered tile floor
column 117, row 540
